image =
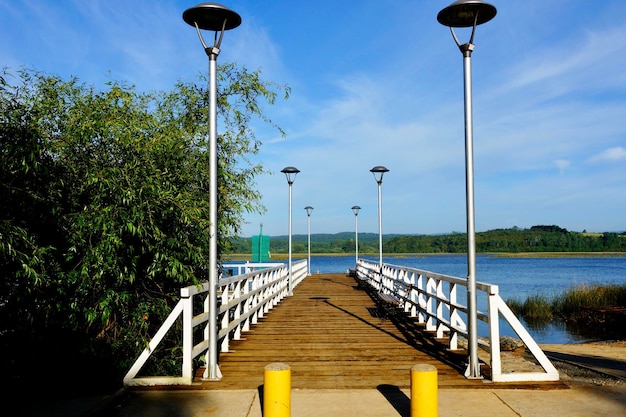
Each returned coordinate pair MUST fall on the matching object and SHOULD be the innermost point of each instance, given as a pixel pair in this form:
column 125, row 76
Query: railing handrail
column 243, row 300
column 425, row 297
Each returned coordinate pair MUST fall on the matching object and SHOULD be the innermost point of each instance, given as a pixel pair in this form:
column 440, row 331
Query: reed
column 581, row 301
column 582, row 305
column 537, row 307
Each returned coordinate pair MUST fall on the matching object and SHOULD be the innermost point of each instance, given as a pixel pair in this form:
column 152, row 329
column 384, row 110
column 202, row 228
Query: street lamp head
column 211, row 16
column 308, row 209
column 214, row 17
column 355, row 210
column 378, row 172
column 466, row 13
column 290, row 173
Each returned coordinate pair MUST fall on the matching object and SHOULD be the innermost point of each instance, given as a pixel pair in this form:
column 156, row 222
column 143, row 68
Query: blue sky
column 381, row 83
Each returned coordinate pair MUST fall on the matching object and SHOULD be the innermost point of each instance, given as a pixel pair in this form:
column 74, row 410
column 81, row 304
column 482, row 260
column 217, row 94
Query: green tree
column 104, row 198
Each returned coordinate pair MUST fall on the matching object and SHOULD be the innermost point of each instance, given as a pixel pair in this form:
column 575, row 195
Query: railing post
column 247, row 305
column 187, row 368
column 421, row 299
column 439, row 307
column 237, row 296
column 430, row 289
column 225, row 319
column 454, row 319
column 494, row 335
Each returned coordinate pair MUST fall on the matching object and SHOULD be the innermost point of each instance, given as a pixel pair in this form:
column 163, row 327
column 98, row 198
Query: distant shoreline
column 284, row 256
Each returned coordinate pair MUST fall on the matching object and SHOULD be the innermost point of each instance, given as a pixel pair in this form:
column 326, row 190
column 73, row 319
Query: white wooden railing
column 242, row 300
column 433, row 300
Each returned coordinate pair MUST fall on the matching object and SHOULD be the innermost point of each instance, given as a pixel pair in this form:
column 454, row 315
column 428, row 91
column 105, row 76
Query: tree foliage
column 104, row 205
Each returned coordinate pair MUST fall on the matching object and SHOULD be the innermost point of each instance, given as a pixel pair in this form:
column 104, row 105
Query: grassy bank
column 559, row 254
column 593, row 308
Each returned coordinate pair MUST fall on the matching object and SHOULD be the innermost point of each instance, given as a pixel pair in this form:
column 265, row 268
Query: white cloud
column 562, row 164
column 612, row 154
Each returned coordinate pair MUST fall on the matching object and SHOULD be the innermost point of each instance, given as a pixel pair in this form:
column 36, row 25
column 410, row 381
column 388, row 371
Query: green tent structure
column 260, row 247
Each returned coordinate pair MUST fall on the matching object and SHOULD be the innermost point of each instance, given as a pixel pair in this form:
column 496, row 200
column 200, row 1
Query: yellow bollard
column 423, row 391
column 277, row 390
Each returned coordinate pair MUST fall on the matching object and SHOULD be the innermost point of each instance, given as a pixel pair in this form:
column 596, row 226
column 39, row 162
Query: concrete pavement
column 578, row 397
column 576, row 401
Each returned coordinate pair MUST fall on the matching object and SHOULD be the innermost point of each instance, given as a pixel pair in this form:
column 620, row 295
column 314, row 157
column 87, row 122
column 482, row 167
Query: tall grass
column 537, row 307
column 582, row 304
column 579, row 301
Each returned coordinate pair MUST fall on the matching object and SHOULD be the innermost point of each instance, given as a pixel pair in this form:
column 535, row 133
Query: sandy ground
column 608, row 357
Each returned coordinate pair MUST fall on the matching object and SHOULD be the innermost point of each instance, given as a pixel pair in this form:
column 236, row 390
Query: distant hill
column 542, row 238
column 330, row 237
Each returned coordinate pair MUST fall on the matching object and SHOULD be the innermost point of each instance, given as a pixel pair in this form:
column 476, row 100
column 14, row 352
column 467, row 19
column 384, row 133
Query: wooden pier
column 330, row 334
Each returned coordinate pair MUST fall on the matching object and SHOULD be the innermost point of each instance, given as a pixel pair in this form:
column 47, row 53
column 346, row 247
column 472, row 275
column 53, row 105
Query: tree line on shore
column 538, row 238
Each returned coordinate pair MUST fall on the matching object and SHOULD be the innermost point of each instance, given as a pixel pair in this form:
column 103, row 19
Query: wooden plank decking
column 329, row 334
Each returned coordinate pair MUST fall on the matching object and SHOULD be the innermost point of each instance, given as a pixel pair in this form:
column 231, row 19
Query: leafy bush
column 104, row 211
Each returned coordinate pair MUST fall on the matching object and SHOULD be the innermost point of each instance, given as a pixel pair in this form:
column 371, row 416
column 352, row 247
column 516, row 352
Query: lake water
column 517, row 278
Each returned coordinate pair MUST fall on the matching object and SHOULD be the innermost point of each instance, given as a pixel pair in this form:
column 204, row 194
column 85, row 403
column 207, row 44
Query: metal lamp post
column 290, row 173
column 378, row 172
column 217, row 18
column 460, row 14
column 355, row 210
column 309, row 210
